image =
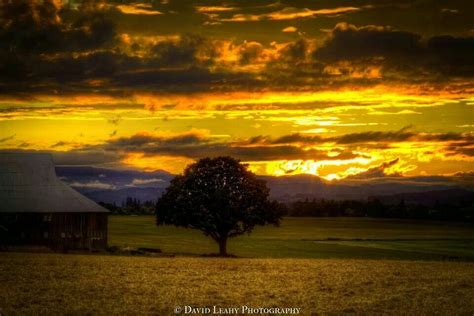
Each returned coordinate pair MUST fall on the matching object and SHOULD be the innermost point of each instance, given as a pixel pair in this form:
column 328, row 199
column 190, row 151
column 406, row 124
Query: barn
column 38, row 209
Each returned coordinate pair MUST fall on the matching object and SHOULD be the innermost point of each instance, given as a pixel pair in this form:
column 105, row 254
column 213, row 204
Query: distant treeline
column 131, row 206
column 455, row 210
column 459, row 210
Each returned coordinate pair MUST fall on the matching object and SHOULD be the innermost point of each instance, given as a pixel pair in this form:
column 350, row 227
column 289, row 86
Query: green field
column 356, row 238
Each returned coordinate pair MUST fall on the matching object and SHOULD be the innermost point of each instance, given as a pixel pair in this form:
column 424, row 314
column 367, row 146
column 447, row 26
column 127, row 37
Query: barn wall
column 59, row 231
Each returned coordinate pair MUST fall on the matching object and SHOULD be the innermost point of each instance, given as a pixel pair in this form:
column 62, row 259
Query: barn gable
column 37, row 208
column 28, row 184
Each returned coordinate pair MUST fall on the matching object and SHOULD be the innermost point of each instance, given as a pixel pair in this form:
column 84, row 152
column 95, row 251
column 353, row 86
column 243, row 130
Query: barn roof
column 28, row 184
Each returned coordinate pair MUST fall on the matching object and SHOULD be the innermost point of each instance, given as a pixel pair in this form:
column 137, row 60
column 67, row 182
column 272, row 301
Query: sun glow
column 313, row 167
column 152, row 163
column 70, row 123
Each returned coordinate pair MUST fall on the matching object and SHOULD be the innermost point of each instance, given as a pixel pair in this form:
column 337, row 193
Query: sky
column 335, row 88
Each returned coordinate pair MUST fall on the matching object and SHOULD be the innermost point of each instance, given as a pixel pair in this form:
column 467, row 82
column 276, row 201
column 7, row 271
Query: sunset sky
column 334, row 88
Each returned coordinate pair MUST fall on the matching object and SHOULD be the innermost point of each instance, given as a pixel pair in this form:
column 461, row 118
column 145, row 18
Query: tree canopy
column 220, row 197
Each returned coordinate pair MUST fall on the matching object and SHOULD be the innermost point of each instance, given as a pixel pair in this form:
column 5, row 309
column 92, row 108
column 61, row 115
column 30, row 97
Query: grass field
column 347, row 238
column 322, row 265
column 52, row 284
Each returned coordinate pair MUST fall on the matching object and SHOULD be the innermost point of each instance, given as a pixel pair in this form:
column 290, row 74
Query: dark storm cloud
column 39, row 49
column 64, row 73
column 377, row 171
column 448, row 137
column 180, row 6
column 80, row 157
column 190, row 79
column 31, row 33
column 196, row 145
column 185, row 51
column 139, row 140
column 467, row 152
column 259, row 153
column 178, row 65
column 399, row 50
column 295, row 52
column 30, row 27
column 396, row 136
column 451, row 55
column 348, row 42
column 167, row 78
column 298, row 138
column 463, row 147
column 47, row 48
column 403, row 135
column 250, row 52
column 449, row 144
column 77, row 157
column 351, row 138
column 171, row 65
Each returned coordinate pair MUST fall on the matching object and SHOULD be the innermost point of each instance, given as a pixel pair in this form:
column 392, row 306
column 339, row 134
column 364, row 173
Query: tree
column 220, row 197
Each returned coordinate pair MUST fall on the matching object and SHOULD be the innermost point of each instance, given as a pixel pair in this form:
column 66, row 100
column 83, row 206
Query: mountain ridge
column 115, row 185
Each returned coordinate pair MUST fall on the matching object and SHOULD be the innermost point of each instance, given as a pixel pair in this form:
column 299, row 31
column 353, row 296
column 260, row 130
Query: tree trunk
column 223, row 246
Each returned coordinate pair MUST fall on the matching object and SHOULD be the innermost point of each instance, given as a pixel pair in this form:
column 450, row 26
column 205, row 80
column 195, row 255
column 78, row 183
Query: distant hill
column 430, row 198
column 118, row 196
column 115, row 177
column 292, row 188
column 115, row 185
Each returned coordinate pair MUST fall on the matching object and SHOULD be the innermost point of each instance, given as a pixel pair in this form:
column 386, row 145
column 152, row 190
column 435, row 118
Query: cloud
column 464, row 148
column 289, row 29
column 180, row 6
column 351, row 138
column 459, row 146
column 402, row 112
column 399, row 52
column 213, row 9
column 289, row 13
column 34, row 40
column 148, row 139
column 46, row 48
column 349, row 42
column 139, row 182
column 377, row 171
column 36, row 27
column 76, row 157
column 197, row 144
column 451, row 55
column 172, row 65
column 397, row 136
column 466, row 175
column 85, row 157
column 138, row 9
column 92, row 185
column 251, row 52
column 452, row 140
column 6, row 139
column 296, row 51
column 187, row 50
column 293, row 153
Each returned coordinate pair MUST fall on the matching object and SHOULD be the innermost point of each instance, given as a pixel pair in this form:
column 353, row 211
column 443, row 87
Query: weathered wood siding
column 59, row 231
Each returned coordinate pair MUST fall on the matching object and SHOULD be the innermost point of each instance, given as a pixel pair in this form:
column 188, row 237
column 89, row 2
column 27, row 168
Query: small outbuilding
column 38, row 209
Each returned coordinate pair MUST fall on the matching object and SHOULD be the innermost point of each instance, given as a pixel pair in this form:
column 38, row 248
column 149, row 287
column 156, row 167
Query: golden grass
column 96, row 284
